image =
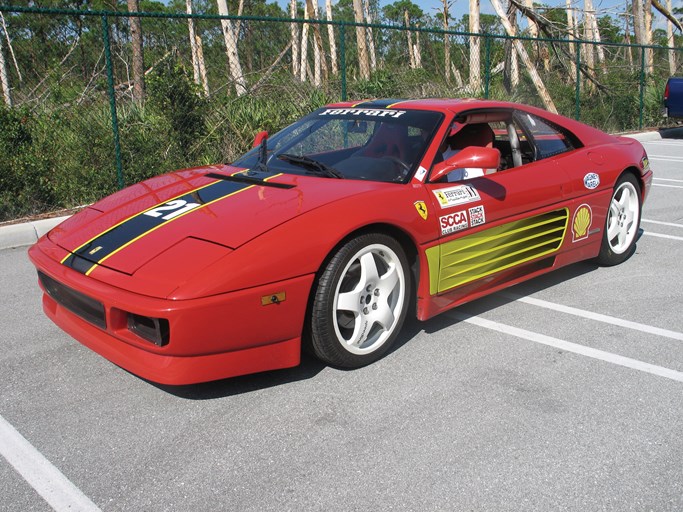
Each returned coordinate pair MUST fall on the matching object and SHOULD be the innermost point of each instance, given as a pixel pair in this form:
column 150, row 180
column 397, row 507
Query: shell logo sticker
column 421, row 208
column 583, row 218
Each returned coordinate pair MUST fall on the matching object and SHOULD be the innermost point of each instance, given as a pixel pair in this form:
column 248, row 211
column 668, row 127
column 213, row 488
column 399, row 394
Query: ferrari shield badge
column 421, row 208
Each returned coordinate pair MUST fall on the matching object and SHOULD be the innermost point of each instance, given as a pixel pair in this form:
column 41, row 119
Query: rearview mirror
column 259, row 138
column 475, row 159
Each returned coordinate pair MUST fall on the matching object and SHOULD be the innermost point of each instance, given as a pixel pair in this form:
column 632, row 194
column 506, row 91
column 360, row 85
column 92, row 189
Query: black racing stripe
column 98, row 249
column 381, row 103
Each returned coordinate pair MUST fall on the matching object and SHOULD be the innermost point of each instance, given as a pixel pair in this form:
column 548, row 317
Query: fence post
column 577, row 108
column 342, row 59
column 487, row 71
column 112, row 100
column 642, row 87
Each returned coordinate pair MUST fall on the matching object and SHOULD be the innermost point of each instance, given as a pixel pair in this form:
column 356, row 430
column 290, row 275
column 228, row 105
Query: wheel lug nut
column 374, row 306
column 369, row 288
column 365, row 311
column 376, row 292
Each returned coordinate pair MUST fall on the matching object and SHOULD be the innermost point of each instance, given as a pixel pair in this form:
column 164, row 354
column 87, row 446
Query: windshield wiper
column 312, row 165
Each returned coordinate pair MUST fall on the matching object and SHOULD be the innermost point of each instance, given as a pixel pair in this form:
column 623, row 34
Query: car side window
column 549, row 140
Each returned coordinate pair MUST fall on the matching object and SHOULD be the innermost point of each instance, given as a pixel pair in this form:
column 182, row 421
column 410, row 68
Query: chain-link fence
column 87, row 109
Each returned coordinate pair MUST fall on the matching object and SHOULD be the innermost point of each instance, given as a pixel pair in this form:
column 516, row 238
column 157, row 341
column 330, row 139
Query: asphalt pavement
column 563, row 393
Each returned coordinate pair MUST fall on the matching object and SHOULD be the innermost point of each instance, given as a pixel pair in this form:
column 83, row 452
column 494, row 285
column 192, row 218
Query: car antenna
column 262, row 163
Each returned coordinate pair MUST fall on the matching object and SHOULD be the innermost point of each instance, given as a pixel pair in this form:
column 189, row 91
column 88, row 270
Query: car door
column 491, row 226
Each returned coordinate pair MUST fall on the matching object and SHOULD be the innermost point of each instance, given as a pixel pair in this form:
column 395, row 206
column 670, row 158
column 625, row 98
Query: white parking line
column 45, row 478
column 667, row 186
column 591, row 315
column 672, row 224
column 666, row 179
column 660, row 235
column 567, row 346
column 665, row 158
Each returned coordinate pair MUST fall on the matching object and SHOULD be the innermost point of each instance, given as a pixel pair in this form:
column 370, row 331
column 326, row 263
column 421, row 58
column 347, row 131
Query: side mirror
column 259, row 138
column 485, row 160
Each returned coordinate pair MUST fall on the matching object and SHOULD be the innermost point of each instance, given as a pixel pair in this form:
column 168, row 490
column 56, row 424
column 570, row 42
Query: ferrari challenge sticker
column 477, row 215
column 454, row 196
column 581, row 223
column 369, row 112
column 94, row 252
column 591, row 180
column 453, row 222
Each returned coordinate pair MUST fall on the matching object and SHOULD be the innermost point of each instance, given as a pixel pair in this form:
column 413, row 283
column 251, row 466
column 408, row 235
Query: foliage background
column 57, row 146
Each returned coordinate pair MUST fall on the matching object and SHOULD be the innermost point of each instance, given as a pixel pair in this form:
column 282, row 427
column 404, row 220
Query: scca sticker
column 454, row 222
column 421, row 208
column 591, row 180
column 477, row 215
column 453, row 196
column 583, row 218
column 369, row 112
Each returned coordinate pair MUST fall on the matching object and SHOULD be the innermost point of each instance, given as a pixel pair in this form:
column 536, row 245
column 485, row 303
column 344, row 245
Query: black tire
column 360, row 302
column 622, row 222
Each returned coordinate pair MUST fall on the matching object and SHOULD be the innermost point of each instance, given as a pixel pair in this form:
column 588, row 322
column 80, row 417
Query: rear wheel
column 622, row 223
column 361, row 301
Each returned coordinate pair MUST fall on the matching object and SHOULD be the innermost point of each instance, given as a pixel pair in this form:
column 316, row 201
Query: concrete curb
column 19, row 235
column 645, row 136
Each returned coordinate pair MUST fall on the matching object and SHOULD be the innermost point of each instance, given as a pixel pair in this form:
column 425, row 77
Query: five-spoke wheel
column 361, row 301
column 623, row 221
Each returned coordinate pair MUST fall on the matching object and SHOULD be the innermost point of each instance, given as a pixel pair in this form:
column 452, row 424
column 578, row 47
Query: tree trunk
column 571, row 37
column 446, row 43
column 197, row 54
column 588, row 49
column 540, row 86
column 418, row 51
column 4, row 79
column 371, row 39
column 361, row 40
column 231, row 50
column 303, row 68
column 670, row 42
column 512, row 67
column 330, row 36
column 627, row 40
column 319, row 63
column 647, row 22
column 411, row 55
column 138, row 56
column 475, row 48
column 296, row 42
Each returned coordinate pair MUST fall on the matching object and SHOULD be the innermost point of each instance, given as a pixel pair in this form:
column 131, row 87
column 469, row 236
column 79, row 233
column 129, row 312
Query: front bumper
column 210, row 338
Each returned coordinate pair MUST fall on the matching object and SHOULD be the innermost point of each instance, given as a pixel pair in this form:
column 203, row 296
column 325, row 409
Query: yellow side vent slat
column 472, row 257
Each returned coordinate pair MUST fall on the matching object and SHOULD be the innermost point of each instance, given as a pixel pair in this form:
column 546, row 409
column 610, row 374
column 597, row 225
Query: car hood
column 207, row 211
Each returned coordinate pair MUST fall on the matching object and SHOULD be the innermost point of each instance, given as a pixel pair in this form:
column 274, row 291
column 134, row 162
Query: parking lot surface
column 563, row 393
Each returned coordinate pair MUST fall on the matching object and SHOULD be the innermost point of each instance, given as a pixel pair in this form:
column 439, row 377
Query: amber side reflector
column 274, row 298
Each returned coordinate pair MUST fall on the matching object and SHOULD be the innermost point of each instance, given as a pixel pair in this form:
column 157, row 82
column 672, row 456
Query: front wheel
column 622, row 223
column 360, row 302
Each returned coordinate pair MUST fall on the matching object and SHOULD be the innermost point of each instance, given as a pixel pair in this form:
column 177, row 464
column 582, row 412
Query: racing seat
column 389, row 140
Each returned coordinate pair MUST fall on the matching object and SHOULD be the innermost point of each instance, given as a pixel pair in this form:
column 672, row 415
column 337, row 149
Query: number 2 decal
column 176, row 207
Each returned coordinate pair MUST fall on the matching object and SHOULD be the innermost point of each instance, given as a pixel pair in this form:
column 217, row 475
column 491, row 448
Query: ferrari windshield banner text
column 370, row 112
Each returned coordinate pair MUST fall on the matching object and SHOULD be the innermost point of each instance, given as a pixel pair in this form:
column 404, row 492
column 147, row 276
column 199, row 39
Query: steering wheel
column 400, row 163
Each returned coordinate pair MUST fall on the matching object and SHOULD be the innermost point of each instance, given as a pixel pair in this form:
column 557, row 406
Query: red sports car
column 333, row 230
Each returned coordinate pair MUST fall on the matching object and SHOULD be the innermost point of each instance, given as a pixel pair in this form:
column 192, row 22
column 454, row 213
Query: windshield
column 355, row 143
